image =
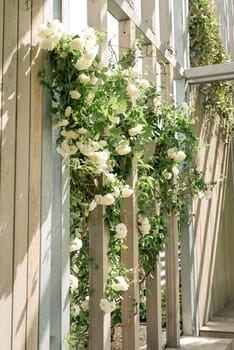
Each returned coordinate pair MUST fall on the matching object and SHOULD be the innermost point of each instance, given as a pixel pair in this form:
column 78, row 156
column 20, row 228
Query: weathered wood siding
column 214, row 223
column 20, row 173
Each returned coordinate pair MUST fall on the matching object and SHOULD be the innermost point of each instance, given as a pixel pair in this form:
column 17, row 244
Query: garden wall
column 214, row 219
column 214, row 224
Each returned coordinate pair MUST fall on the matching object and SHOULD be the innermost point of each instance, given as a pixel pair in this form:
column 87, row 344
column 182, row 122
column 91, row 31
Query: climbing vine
column 106, row 115
column 206, row 48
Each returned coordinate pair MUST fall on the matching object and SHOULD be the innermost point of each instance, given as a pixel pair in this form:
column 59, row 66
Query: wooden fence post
column 130, row 312
column 172, row 284
column 99, row 322
column 153, row 283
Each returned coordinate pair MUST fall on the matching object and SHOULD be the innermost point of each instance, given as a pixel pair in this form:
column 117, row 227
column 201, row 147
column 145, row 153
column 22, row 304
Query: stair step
column 221, row 327
column 204, row 343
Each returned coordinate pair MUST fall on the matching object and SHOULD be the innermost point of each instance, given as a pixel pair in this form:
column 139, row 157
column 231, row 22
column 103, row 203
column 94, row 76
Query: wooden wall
column 214, row 219
column 214, row 223
column 20, row 173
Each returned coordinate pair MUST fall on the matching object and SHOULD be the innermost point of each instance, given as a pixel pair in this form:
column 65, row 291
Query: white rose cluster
column 75, row 310
column 144, row 225
column 126, row 191
column 99, row 159
column 135, row 130
column 73, row 283
column 50, row 34
column 120, row 231
column 87, row 44
column 66, row 148
column 76, row 244
column 176, row 155
column 120, row 284
column 107, row 199
column 107, row 306
column 123, row 149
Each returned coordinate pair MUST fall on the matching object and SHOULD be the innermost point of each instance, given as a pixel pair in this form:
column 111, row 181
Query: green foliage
column 206, row 48
column 108, row 115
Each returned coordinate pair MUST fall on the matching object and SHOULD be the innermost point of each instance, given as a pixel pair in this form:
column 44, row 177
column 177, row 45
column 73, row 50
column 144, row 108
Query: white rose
column 91, row 52
column 87, row 149
column 68, row 111
column 100, row 158
column 132, row 90
column 144, row 84
column 76, row 245
column 175, row 171
column 102, row 143
column 92, row 205
column 65, row 149
column 50, row 34
column 120, row 285
column 116, row 192
column 123, row 149
column 179, row 156
column 108, row 178
column 143, row 220
column 85, row 304
column 121, row 231
column 145, row 228
column 75, row 310
column 69, row 134
column 171, row 152
column 43, row 31
column 93, row 79
column 73, row 283
column 77, row 44
column 63, row 122
column 107, row 306
column 82, row 131
column 83, row 63
column 107, row 199
column 126, row 192
column 135, row 130
column 84, row 78
column 48, row 44
column 89, row 98
column 74, row 94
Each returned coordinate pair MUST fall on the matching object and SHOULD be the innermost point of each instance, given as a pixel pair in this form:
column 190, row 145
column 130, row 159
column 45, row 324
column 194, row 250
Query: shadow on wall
column 214, row 222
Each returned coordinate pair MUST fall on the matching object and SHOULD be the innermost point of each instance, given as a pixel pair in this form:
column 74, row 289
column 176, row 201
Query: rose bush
column 107, row 115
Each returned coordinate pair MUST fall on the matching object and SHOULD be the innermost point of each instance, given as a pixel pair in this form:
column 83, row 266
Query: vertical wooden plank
column 99, row 235
column 166, row 37
column 65, row 256
column 172, row 282
column 99, row 321
column 153, row 284
column 22, row 179
column 55, row 311
column 130, row 320
column 153, row 312
column 7, row 176
column 34, row 182
column 172, row 267
column 130, row 331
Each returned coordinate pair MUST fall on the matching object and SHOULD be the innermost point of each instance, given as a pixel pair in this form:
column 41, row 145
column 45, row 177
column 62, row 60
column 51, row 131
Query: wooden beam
column 22, row 179
column 34, row 182
column 99, row 321
column 121, row 10
column 9, row 17
column 211, row 73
